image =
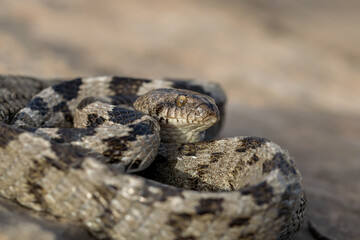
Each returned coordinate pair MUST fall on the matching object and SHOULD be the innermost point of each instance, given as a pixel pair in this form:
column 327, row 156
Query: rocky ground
column 291, row 70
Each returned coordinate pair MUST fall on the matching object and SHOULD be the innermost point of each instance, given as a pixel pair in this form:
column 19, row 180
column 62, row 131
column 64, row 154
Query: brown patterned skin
column 234, row 188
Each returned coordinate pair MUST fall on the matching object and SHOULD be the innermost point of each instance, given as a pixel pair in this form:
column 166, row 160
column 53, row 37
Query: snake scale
column 98, row 172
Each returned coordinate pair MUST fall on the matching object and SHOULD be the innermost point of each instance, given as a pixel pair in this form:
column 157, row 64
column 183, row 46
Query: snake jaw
column 182, row 131
column 183, row 115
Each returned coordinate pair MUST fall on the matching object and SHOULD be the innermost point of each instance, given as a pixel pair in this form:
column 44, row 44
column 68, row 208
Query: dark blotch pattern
column 209, row 205
column 262, row 192
column 126, row 85
column 215, row 157
column 202, row 167
column 239, row 222
column 117, row 145
column 66, row 158
column 7, row 134
column 268, row 166
column 170, row 192
column 16, row 92
column 67, row 135
column 37, row 191
column 25, row 120
column 62, row 107
column 68, row 90
column 188, row 149
column 201, row 171
column 250, row 142
column 163, row 195
column 254, row 159
column 278, row 161
column 85, row 102
column 179, row 222
column 185, row 84
column 123, row 99
column 57, row 164
column 34, row 175
column 38, row 104
column 141, row 129
column 123, row 115
column 106, row 193
column 282, row 164
column 94, row 120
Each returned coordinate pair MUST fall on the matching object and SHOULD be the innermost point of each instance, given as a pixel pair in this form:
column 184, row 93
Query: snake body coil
column 234, row 188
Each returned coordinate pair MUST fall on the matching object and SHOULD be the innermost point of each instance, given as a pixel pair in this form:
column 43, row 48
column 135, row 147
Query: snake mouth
column 180, row 122
column 184, row 130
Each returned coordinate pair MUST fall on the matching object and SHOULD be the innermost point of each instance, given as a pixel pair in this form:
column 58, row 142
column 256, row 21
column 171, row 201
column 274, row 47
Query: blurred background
column 291, row 71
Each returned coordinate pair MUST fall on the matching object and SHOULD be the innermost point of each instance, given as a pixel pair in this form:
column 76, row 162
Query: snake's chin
column 183, row 131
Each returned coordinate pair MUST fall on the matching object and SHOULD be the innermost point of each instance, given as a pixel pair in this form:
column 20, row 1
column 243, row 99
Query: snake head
column 183, row 115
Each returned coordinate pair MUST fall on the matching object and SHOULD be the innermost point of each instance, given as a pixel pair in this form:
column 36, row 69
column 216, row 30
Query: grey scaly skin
column 234, row 188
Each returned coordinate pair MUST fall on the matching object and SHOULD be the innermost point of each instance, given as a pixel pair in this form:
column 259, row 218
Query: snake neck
column 171, row 134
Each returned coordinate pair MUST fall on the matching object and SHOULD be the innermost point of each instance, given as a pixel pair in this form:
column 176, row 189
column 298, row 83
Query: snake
column 133, row 158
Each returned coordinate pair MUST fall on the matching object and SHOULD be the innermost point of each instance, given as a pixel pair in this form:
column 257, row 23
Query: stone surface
column 290, row 68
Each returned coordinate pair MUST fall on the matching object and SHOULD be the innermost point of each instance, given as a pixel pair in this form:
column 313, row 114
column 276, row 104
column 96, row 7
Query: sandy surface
column 291, row 71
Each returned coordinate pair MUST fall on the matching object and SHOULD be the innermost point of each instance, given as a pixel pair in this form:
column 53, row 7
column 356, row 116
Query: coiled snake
column 234, row 188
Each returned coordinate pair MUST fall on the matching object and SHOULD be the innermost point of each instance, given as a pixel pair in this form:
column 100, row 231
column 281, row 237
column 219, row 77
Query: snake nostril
column 201, row 111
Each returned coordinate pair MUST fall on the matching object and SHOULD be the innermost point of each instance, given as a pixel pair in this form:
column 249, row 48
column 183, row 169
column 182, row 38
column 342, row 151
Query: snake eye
column 180, row 100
